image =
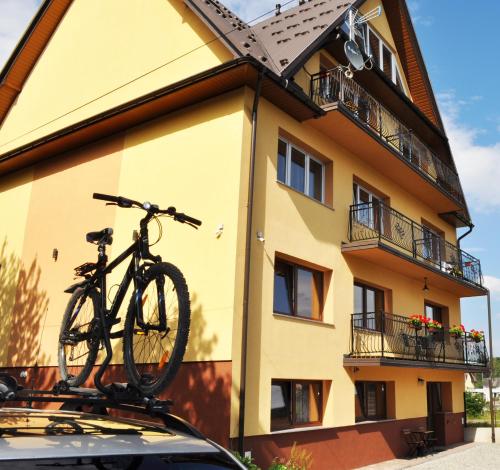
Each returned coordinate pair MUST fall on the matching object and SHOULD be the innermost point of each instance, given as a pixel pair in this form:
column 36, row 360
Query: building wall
column 171, row 161
column 298, row 226
column 91, row 53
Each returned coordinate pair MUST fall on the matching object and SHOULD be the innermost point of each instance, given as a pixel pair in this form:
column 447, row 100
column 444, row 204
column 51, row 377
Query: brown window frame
column 363, row 407
column 377, row 313
column 292, row 422
column 319, row 282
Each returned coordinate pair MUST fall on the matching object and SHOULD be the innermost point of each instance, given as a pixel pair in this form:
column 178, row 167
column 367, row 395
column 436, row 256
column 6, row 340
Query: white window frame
column 308, row 158
column 394, row 63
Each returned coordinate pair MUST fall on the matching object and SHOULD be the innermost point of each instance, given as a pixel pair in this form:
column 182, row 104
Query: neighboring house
column 355, row 193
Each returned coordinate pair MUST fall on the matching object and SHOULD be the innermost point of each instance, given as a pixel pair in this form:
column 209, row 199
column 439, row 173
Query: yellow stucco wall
column 298, row 226
column 91, row 53
column 172, row 161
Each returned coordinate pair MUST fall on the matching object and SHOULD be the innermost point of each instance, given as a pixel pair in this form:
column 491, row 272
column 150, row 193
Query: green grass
column 484, row 420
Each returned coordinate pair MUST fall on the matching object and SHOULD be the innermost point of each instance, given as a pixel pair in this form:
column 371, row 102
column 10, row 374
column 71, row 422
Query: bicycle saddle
column 101, row 238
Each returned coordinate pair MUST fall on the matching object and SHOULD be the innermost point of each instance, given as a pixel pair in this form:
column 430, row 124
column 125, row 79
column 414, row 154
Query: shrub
column 246, row 461
column 474, row 404
column 300, row 459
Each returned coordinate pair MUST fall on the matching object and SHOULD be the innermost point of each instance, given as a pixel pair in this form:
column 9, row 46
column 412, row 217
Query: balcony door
column 368, row 307
column 368, row 208
column 431, row 247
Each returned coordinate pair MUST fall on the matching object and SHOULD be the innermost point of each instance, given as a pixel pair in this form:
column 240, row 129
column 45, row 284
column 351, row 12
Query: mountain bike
column 156, row 326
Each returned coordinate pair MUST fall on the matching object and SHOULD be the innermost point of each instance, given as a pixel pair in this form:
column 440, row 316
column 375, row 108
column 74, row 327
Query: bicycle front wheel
column 154, row 352
column 79, row 337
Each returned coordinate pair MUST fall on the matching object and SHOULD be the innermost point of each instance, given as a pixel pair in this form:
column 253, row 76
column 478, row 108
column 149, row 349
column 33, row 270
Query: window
column 298, row 291
column 434, row 312
column 300, row 170
column 371, row 401
column 368, row 307
column 295, row 403
column 383, row 57
column 369, row 213
column 431, row 247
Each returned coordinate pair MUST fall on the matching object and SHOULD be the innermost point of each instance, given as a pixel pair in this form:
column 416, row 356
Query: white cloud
column 493, row 284
column 249, row 10
column 14, row 18
column 478, row 165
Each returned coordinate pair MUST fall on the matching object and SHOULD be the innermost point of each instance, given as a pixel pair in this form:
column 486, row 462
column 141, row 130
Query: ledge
column 282, row 316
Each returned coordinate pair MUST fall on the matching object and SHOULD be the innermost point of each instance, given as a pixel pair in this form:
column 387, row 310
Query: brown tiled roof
column 238, row 36
column 292, row 33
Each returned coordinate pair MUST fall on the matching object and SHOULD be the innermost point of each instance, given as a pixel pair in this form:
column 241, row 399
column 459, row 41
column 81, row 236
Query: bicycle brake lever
column 190, row 224
column 111, row 204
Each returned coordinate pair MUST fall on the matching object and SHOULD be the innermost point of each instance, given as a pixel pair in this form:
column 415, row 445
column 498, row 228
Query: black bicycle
column 156, row 327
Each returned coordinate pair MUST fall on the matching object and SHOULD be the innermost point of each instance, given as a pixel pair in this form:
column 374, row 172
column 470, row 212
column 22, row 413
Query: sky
column 460, row 47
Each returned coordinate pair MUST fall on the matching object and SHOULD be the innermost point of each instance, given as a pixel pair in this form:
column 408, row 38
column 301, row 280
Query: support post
column 490, row 382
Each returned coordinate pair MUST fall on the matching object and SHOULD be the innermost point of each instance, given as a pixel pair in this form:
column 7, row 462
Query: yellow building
column 330, row 207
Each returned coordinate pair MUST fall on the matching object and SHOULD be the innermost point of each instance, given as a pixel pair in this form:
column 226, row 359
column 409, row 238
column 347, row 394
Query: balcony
column 384, row 236
column 362, row 125
column 384, row 339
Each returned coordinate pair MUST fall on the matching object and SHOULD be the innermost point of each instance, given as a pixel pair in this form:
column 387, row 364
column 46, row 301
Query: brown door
column 434, row 403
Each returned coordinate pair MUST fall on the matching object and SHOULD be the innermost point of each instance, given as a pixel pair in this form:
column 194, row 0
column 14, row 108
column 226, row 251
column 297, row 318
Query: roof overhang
column 195, row 89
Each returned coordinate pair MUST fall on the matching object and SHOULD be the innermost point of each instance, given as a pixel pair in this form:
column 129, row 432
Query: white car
column 44, row 439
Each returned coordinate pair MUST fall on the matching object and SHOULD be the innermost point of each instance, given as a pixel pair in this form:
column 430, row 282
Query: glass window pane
column 280, row 404
column 282, row 161
column 315, row 180
column 358, row 299
column 304, row 292
column 283, row 285
column 387, row 58
column 370, row 300
column 307, row 403
column 298, row 170
column 374, row 48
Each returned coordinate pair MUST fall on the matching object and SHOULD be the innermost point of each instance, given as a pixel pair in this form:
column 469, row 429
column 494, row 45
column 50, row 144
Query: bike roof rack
column 124, row 398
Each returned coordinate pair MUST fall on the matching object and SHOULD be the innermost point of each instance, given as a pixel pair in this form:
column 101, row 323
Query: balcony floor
column 340, row 124
column 383, row 254
column 350, row 361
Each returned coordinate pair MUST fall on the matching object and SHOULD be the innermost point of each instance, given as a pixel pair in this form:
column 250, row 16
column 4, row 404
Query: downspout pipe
column 471, row 228
column 492, row 368
column 248, row 248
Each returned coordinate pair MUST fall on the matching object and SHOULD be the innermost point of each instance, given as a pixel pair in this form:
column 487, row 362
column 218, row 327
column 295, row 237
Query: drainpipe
column 471, row 227
column 248, row 248
column 492, row 404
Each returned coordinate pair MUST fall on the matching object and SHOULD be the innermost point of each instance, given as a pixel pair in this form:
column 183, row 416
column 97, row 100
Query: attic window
column 384, row 57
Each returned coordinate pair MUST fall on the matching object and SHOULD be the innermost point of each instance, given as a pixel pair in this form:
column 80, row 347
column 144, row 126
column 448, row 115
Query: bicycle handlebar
column 127, row 203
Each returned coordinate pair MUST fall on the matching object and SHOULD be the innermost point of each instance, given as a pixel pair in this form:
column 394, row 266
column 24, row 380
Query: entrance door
column 434, row 403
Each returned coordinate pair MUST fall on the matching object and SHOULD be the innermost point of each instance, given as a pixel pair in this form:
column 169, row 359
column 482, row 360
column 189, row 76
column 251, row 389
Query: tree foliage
column 474, row 404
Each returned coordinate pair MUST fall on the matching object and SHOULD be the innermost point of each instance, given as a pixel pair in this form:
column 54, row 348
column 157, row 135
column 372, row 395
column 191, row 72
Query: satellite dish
column 354, row 55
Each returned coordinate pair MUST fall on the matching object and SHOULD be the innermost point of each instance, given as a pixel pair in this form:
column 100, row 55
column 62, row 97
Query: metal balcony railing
column 376, row 220
column 333, row 86
column 380, row 334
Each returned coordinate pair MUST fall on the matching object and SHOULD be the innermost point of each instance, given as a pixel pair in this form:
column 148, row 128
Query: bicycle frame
column 139, row 251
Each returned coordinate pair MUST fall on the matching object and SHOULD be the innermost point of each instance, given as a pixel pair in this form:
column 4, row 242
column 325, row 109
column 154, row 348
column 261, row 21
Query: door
column 434, row 403
column 368, row 208
column 431, row 249
column 368, row 307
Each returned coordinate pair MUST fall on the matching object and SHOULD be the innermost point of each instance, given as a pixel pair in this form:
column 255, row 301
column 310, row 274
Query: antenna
column 352, row 51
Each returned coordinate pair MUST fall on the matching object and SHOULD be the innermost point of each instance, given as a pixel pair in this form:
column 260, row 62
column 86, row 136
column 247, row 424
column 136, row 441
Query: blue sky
column 460, row 43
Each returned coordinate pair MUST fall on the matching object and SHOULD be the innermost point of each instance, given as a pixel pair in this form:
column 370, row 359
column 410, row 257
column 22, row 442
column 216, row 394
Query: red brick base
column 348, row 447
column 201, row 392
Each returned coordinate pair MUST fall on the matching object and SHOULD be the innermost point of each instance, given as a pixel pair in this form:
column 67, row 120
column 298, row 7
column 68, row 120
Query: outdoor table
column 426, row 436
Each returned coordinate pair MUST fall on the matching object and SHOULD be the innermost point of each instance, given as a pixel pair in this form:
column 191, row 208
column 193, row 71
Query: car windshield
column 123, row 462
column 47, row 423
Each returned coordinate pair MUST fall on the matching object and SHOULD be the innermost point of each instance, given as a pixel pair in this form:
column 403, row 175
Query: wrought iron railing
column 380, row 334
column 376, row 220
column 333, row 86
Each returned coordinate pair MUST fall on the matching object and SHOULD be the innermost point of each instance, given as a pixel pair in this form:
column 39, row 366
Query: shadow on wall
column 201, row 391
column 23, row 308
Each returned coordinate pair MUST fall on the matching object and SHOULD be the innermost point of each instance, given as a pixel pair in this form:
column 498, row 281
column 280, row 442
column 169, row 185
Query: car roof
column 46, row 434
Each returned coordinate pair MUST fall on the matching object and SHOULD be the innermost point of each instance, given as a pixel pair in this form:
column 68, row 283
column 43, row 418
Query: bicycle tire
column 92, row 346
column 135, row 366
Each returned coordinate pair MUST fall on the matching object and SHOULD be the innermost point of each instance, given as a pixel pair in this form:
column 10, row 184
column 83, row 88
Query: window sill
column 314, row 427
column 375, row 421
column 283, row 316
column 285, row 186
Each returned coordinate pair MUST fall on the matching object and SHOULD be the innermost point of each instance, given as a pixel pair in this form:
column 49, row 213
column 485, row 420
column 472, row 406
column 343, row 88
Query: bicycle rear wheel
column 152, row 357
column 79, row 337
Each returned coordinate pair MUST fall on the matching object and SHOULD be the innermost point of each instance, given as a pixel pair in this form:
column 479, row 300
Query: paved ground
column 477, row 456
